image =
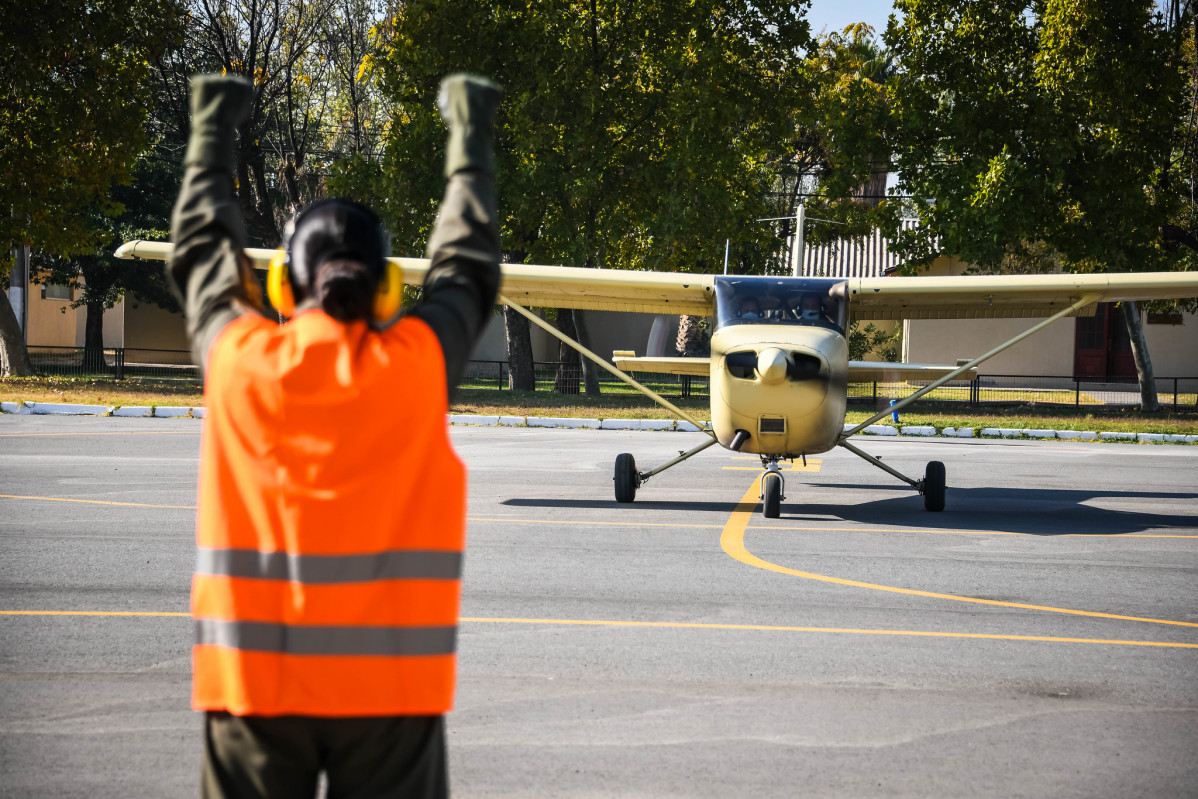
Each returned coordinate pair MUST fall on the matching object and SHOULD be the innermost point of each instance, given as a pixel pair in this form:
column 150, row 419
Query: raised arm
column 463, row 278
column 208, row 268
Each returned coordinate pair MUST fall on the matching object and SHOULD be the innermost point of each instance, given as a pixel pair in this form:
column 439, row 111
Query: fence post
column 119, row 363
column 875, row 394
column 1175, row 395
column 1077, row 393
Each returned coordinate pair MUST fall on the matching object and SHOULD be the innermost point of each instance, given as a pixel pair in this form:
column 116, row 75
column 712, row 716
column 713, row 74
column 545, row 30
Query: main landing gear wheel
column 626, row 478
column 771, row 495
column 933, row 487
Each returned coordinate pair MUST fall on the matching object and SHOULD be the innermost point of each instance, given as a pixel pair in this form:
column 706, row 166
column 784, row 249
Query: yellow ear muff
column 278, row 286
column 388, row 298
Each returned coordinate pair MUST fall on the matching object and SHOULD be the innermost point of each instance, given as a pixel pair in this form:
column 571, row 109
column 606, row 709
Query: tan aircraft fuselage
column 785, row 385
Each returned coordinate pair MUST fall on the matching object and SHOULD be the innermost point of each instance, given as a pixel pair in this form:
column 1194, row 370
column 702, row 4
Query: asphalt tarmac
column 1038, row 638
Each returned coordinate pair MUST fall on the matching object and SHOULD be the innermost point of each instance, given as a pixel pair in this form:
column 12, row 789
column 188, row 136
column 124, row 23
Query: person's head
column 749, row 308
column 337, row 252
column 810, row 307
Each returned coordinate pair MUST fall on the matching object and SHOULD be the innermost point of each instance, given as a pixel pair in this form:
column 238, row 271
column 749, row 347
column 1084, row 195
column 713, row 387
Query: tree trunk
column 569, row 368
column 14, row 358
column 873, row 190
column 690, row 341
column 520, row 373
column 590, row 370
column 1139, row 350
column 93, row 338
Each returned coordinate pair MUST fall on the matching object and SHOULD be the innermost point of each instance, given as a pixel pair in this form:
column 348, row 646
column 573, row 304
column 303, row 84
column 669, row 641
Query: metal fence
column 1176, row 393
column 118, row 363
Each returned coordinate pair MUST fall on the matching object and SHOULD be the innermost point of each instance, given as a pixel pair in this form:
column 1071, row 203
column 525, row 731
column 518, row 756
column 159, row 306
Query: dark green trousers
column 386, row 756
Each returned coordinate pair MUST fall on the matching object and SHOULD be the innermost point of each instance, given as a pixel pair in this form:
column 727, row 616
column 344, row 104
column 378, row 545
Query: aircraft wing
column 541, row 286
column 1006, row 296
column 626, row 360
column 872, row 298
column 886, row 372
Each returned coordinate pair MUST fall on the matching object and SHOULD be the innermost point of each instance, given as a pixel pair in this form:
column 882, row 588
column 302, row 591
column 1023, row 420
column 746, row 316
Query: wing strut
column 653, row 395
column 1088, row 299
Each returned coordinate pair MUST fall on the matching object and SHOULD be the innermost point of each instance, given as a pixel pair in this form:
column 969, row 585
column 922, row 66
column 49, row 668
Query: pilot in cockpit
column 749, row 308
column 809, row 308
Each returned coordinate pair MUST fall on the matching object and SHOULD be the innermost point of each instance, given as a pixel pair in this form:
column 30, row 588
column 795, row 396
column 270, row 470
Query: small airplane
column 779, row 368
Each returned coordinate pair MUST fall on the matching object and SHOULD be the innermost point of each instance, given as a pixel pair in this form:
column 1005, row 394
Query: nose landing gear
column 772, row 489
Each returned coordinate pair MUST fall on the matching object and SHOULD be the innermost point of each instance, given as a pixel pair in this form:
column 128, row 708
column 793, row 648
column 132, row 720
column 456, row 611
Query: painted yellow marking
column 837, row 630
column 101, row 502
column 732, row 540
column 99, row 433
column 677, row 525
column 87, row 613
column 686, row 626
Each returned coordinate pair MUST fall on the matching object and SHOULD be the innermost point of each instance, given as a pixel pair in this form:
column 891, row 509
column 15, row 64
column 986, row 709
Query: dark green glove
column 218, row 105
column 467, row 104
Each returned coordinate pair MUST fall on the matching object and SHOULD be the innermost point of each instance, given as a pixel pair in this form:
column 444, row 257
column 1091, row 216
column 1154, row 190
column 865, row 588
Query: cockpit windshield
column 817, row 302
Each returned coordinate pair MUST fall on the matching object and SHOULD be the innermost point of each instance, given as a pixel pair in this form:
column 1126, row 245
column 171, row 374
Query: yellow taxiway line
column 109, row 433
column 732, row 540
column 679, row 625
column 101, row 502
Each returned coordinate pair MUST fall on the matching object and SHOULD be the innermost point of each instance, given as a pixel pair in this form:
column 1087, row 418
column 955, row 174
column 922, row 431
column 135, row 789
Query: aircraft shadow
column 1033, row 511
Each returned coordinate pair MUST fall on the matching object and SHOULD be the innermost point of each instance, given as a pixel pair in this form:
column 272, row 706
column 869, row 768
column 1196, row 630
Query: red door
column 1102, row 348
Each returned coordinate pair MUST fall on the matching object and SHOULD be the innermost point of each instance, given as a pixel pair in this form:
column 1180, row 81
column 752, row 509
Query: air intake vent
column 742, row 364
column 803, row 366
column 767, row 425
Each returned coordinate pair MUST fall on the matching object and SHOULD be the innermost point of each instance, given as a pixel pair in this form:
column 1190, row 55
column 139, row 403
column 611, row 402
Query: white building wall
column 1173, row 348
column 610, row 330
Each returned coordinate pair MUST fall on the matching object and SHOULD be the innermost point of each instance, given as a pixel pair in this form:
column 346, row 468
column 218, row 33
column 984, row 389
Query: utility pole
column 796, row 250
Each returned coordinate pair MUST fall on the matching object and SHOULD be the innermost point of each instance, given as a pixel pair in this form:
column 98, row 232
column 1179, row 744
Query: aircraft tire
column 771, row 490
column 933, row 487
column 625, row 477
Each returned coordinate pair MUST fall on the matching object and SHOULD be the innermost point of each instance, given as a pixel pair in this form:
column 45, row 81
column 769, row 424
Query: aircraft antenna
column 727, row 244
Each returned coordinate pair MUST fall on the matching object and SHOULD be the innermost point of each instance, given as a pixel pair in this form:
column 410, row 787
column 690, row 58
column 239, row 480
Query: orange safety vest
column 331, row 522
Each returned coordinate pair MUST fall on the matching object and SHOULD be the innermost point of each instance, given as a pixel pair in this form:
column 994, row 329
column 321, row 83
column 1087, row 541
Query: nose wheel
column 772, row 485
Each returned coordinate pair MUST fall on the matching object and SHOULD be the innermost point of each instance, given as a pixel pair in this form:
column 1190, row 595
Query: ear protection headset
column 324, row 230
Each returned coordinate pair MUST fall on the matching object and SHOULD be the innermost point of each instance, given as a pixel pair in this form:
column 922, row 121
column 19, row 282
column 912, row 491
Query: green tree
column 313, row 101
column 631, row 136
column 1029, row 123
column 73, row 100
column 101, row 278
column 837, row 160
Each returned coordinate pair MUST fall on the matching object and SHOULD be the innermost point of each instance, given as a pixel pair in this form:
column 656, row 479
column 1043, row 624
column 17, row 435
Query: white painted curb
column 567, row 423
column 67, row 409
column 134, row 410
column 918, row 431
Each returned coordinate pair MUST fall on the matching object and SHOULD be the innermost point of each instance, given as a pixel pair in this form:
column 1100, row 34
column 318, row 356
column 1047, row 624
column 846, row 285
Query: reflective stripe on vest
column 256, row 636
column 398, row 564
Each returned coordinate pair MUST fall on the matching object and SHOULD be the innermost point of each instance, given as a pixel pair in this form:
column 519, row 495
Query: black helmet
column 333, row 229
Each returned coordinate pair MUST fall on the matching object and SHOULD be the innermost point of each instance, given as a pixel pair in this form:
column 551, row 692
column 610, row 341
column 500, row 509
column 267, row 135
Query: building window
column 55, row 291
column 1164, row 319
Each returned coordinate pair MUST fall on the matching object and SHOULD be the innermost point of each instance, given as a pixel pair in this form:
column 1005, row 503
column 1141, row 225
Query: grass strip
column 493, row 402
